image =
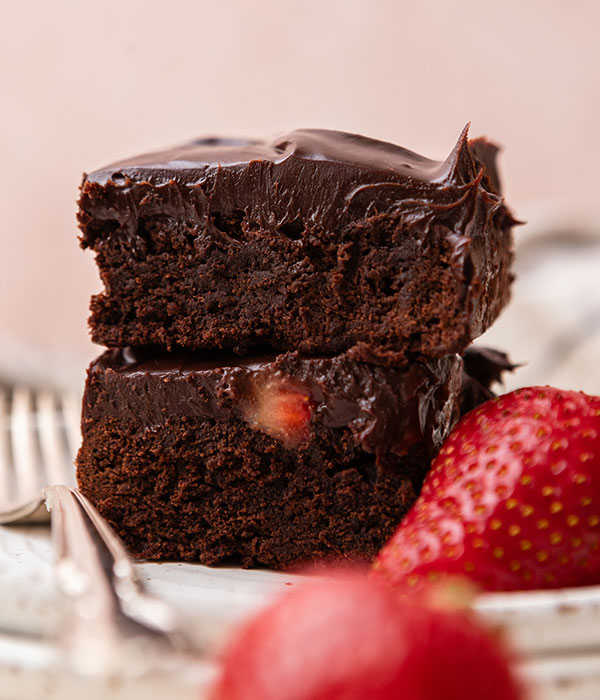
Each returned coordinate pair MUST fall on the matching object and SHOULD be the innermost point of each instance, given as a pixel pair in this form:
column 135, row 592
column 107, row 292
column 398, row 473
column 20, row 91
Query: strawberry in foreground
column 512, row 500
column 352, row 638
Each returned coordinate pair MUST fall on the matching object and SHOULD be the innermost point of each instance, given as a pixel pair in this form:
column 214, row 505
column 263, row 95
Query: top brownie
column 318, row 241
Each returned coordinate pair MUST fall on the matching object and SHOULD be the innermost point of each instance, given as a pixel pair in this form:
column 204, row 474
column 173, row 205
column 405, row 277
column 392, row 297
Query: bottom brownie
column 268, row 461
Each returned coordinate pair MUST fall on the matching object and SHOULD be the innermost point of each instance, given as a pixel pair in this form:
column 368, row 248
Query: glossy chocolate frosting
column 388, row 410
column 322, row 178
column 483, row 367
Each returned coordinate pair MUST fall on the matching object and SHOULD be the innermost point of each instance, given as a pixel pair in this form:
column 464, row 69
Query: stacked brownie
column 285, row 323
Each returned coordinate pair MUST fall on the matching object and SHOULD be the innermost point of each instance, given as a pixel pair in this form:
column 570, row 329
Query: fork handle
column 113, row 623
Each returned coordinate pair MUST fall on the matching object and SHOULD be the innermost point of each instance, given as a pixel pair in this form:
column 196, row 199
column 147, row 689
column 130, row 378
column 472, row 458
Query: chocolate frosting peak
column 358, row 152
column 320, row 176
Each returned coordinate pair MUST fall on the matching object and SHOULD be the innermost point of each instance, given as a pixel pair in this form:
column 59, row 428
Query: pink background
column 87, row 83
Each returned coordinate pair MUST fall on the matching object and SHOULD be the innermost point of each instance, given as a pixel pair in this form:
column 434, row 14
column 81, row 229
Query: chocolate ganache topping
column 386, row 409
column 322, row 178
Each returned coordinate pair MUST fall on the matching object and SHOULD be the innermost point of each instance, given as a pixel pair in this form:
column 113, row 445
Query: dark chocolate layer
column 323, row 177
column 387, row 410
column 318, row 241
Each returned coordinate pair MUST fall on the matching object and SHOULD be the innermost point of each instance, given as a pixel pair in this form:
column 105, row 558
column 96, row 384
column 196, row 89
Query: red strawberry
column 352, row 638
column 512, row 500
column 281, row 409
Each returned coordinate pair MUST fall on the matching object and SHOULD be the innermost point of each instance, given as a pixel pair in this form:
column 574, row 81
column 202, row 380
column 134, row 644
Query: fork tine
column 56, row 459
column 5, row 461
column 27, row 478
column 71, row 408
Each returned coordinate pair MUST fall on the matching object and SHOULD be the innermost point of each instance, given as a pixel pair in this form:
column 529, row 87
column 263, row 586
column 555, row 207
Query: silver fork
column 113, row 623
column 39, row 436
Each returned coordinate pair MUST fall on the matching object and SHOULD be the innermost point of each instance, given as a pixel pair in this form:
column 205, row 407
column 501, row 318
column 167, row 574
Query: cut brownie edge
column 209, row 493
column 384, row 293
column 269, row 460
column 183, row 456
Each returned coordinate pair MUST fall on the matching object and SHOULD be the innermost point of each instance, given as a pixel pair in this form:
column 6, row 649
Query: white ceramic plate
column 31, row 613
column 556, row 632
